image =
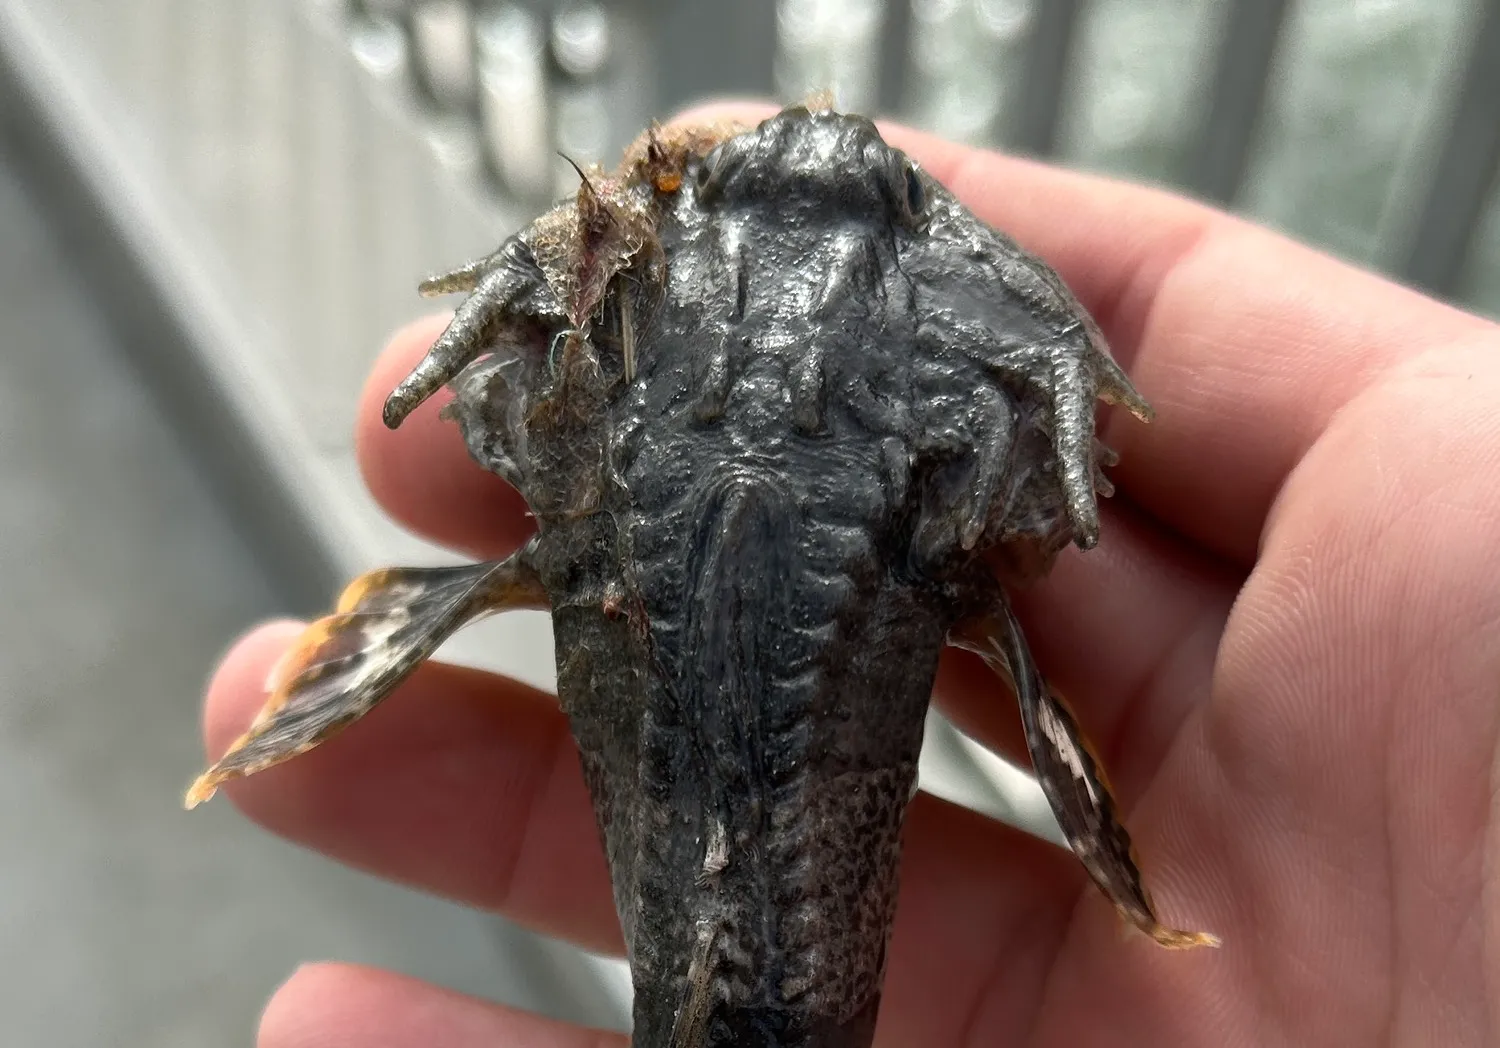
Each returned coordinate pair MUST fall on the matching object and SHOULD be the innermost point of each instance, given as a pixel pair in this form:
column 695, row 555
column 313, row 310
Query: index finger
column 1245, row 342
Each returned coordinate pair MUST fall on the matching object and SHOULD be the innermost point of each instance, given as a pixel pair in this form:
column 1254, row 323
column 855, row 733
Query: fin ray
column 1072, row 777
column 386, row 623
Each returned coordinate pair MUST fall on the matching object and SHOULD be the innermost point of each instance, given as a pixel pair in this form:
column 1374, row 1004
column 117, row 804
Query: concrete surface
column 124, row 920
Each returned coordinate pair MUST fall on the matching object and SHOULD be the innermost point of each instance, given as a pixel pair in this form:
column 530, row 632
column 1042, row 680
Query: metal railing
column 1369, row 128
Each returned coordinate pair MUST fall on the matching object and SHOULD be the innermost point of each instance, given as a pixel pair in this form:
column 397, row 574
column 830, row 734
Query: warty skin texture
column 772, row 395
column 785, row 482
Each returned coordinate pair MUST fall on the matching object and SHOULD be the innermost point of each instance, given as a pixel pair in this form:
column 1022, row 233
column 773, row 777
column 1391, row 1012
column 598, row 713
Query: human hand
column 1285, row 647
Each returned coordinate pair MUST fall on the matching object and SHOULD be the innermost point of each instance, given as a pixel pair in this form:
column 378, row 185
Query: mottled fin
column 1072, row 778
column 386, row 624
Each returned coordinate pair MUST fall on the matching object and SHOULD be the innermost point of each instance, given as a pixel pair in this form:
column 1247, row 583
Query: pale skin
column 1286, row 647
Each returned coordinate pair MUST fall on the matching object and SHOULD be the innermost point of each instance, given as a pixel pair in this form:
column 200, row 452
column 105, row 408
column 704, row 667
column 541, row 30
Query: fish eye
column 916, row 192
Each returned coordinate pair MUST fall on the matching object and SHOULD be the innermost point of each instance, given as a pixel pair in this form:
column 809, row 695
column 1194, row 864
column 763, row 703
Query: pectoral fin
column 385, row 625
column 1071, row 776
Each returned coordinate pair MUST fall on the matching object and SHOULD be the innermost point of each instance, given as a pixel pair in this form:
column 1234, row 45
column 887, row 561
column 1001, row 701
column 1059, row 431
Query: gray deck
column 124, row 920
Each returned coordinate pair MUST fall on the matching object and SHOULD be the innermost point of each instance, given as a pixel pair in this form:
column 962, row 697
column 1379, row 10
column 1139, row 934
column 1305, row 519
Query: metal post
column 1252, row 31
column 1035, row 127
column 1467, row 169
column 895, row 57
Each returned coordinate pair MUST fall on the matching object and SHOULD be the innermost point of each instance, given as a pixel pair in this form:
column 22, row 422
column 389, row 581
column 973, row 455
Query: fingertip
column 329, row 1005
column 238, row 686
column 325, row 1004
column 290, row 1016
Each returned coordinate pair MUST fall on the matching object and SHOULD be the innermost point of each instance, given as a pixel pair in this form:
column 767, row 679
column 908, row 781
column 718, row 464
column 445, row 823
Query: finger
column 469, row 786
column 982, row 910
column 1127, row 632
column 982, row 907
column 346, row 1006
column 1246, row 343
column 462, row 783
column 332, row 1005
column 421, row 473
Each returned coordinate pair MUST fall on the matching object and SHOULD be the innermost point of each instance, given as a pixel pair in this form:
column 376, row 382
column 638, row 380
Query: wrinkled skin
column 779, row 403
column 1284, row 644
column 849, row 387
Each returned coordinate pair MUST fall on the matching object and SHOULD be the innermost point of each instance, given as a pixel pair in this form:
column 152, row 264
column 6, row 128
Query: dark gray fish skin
column 789, row 418
column 755, row 548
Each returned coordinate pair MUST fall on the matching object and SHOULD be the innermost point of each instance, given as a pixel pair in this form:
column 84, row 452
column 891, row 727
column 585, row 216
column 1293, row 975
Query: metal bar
column 714, row 48
column 1466, row 172
column 1035, row 125
column 1251, row 33
column 895, row 56
column 442, row 36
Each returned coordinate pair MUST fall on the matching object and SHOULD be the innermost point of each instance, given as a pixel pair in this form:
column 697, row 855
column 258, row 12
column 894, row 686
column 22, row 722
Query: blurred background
column 213, row 212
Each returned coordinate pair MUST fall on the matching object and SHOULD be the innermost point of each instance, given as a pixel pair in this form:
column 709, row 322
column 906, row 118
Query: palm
column 1323, row 801
column 1296, row 703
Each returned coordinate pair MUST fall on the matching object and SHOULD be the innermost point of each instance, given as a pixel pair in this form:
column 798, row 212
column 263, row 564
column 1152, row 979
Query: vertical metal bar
column 1478, row 286
column 582, row 90
column 895, row 57
column 442, row 34
column 1047, row 66
column 829, row 45
column 1467, row 168
column 1251, row 31
column 514, row 107
column 714, row 47
column 1136, row 87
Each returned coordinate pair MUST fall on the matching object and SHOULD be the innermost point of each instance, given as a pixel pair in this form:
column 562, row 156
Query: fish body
column 790, row 419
